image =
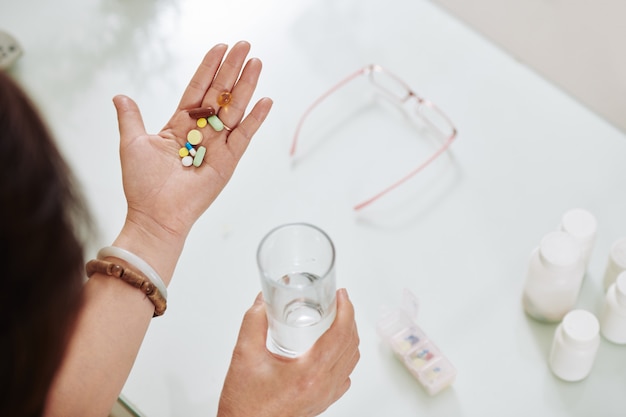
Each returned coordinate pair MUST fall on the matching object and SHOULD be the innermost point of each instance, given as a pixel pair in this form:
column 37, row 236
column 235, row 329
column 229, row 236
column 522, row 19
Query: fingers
column 220, row 72
column 201, row 81
column 231, row 78
column 347, row 363
column 337, row 350
column 241, row 93
column 239, row 139
column 350, row 355
column 339, row 345
column 341, row 391
column 253, row 332
column 343, row 328
column 228, row 73
column 128, row 118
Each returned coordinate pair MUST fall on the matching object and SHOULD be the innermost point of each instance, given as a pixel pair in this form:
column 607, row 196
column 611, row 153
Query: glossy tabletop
column 458, row 237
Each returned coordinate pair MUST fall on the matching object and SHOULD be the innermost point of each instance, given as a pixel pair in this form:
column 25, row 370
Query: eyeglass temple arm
column 434, row 156
column 323, row 97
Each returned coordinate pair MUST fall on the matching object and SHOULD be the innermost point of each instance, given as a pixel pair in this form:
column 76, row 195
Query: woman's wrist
column 157, row 246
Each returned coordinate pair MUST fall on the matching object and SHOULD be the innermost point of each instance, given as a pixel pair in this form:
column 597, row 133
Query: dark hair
column 41, row 254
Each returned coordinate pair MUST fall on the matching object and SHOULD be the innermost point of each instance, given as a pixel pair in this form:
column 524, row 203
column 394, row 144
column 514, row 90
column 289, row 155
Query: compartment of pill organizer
column 406, row 340
column 420, row 356
column 435, row 376
column 430, row 367
column 400, row 332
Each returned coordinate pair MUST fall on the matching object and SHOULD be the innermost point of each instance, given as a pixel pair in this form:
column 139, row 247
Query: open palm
column 156, row 184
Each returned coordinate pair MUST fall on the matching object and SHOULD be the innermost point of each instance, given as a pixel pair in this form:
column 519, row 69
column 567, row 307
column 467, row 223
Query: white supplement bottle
column 613, row 316
column 555, row 274
column 582, row 226
column 616, row 263
column 575, row 345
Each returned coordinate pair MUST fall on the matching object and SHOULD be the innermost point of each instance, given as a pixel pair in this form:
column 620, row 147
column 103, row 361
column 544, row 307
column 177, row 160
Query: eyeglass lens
column 390, row 85
column 435, row 119
column 427, row 112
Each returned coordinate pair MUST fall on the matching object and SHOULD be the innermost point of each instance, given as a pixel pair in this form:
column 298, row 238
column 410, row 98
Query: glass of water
column 297, row 266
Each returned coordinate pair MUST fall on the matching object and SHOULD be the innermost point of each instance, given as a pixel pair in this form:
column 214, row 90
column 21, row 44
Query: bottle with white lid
column 582, row 226
column 616, row 263
column 574, row 347
column 555, row 274
column 613, row 316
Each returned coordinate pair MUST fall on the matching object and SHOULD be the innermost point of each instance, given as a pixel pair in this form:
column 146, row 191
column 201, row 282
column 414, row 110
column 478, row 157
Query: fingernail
column 342, row 292
column 259, row 298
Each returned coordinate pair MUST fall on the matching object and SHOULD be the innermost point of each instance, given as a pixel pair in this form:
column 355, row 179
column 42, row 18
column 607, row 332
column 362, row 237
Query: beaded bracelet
column 137, row 280
column 136, row 262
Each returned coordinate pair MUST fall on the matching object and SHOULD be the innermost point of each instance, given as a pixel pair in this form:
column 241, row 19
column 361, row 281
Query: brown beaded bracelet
column 131, row 277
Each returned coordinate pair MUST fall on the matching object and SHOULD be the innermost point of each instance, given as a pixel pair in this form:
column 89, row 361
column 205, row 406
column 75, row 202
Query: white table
column 526, row 153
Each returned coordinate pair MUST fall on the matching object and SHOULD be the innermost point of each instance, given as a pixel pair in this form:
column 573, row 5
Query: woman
column 68, row 347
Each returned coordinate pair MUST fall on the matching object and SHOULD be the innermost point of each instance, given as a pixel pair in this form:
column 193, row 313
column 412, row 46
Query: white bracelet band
column 137, row 262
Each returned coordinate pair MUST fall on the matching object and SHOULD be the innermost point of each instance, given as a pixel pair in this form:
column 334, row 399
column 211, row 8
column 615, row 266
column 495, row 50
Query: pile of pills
column 191, row 153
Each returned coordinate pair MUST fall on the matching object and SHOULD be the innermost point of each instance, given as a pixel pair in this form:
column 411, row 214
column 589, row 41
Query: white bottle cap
column 580, row 327
column 559, row 250
column 575, row 345
column 616, row 263
column 582, row 225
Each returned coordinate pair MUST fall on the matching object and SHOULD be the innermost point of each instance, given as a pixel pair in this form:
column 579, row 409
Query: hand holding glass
column 297, row 266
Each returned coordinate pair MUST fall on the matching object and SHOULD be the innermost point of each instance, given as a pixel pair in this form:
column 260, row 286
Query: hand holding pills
column 164, row 199
column 209, row 130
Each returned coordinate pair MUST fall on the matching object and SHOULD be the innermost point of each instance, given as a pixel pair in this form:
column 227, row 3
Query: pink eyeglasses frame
column 410, row 94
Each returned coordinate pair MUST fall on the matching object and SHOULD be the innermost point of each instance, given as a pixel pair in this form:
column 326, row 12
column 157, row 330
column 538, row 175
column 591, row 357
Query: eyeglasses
column 398, row 91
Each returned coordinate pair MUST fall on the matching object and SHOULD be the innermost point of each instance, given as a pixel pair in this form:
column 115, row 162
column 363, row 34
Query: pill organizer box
column 413, row 348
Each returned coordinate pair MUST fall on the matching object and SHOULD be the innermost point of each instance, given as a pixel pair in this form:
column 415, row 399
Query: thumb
column 128, row 118
column 253, row 332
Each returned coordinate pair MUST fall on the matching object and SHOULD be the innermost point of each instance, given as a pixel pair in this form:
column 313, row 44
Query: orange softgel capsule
column 224, row 98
